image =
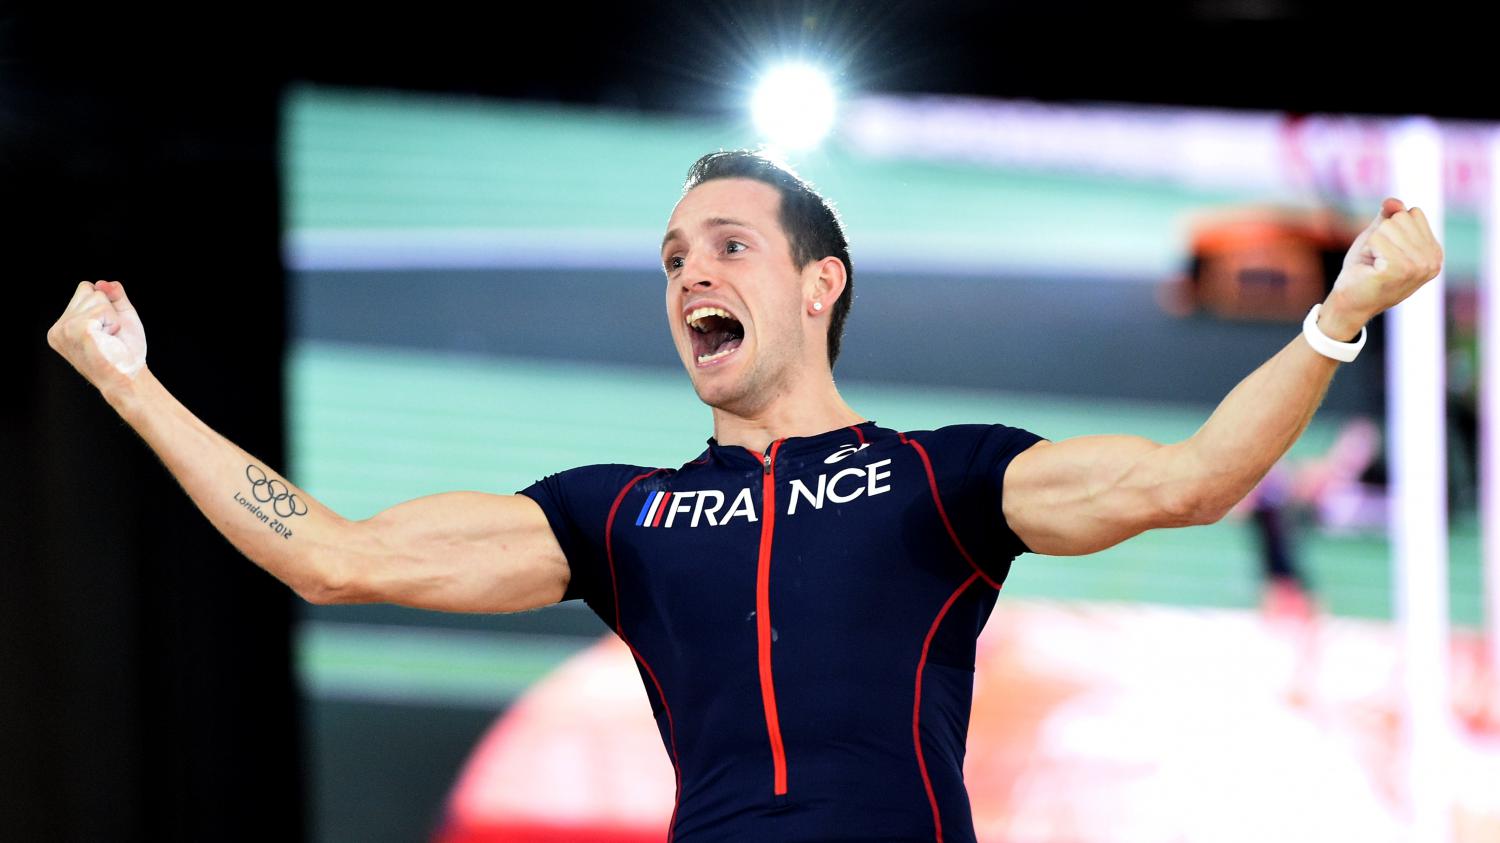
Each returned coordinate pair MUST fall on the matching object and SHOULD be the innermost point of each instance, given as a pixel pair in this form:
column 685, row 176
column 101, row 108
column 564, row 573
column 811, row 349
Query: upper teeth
column 698, row 313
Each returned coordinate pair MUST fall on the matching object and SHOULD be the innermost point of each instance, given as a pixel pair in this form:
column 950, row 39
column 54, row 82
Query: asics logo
column 844, row 452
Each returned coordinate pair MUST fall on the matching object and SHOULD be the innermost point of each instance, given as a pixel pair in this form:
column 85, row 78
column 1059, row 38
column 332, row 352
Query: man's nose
column 695, row 278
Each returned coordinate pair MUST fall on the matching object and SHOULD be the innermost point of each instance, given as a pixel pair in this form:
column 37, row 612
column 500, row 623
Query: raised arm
column 1086, row 494
column 461, row 551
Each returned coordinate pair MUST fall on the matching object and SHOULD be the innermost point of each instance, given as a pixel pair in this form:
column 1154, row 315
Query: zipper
column 763, row 620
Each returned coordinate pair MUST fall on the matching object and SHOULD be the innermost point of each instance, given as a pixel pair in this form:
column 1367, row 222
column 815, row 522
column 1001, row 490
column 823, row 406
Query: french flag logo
column 653, row 510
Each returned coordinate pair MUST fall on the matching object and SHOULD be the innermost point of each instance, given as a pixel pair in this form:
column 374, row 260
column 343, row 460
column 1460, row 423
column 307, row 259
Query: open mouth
column 715, row 334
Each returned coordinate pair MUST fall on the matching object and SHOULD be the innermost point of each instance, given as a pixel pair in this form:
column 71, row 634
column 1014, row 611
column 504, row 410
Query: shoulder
column 966, row 441
column 975, row 457
column 605, row 472
column 590, row 482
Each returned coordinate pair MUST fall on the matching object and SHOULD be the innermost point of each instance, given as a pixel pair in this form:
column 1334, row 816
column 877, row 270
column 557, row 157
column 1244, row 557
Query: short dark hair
column 810, row 222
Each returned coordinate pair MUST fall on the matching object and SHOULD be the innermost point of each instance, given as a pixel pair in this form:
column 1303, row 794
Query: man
column 802, row 598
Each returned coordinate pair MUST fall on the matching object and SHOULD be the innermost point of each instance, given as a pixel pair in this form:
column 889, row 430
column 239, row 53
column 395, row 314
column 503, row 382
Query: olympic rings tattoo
column 283, row 500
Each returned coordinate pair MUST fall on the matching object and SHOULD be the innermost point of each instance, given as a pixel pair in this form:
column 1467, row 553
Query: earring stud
column 817, row 305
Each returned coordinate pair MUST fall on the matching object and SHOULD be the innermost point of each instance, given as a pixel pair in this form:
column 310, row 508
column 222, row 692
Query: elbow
column 1194, row 506
column 344, row 570
column 331, row 585
column 1211, row 513
column 318, row 594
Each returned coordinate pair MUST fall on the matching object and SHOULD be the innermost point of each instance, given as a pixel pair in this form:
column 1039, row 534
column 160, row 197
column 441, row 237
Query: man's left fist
column 1394, row 256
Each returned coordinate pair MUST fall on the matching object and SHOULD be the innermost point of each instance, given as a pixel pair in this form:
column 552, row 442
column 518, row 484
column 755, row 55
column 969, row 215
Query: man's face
column 725, row 250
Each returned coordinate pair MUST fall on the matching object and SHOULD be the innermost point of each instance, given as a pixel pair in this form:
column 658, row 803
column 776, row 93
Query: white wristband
column 1327, row 346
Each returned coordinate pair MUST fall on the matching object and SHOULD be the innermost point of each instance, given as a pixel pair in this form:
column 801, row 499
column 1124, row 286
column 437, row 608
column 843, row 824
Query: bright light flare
column 793, row 106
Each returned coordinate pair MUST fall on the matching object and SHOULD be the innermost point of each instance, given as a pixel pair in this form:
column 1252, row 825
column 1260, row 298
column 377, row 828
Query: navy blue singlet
column 803, row 620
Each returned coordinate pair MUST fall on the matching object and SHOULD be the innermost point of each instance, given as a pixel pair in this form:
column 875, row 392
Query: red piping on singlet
column 916, row 716
column 938, row 499
column 609, row 553
column 916, row 707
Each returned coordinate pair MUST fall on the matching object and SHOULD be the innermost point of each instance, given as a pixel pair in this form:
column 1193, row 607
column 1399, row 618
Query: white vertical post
column 1489, row 412
column 1416, row 379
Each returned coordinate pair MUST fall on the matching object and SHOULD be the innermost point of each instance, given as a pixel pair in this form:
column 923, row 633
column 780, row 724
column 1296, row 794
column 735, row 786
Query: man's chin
column 727, row 394
column 716, row 395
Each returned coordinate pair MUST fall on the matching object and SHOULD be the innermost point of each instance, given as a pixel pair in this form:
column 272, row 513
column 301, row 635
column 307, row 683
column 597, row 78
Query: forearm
column 1257, row 422
column 273, row 523
column 1086, row 494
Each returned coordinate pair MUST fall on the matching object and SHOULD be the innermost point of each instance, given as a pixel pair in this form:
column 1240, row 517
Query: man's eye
column 674, row 262
column 730, row 246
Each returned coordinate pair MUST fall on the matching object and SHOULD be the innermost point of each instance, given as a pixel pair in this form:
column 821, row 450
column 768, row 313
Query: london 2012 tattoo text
column 284, row 503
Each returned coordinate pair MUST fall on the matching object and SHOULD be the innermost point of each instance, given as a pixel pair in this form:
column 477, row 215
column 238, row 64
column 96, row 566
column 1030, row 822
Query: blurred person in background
column 1260, row 263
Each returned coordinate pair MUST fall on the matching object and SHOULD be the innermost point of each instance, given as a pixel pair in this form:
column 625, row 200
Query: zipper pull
column 767, row 461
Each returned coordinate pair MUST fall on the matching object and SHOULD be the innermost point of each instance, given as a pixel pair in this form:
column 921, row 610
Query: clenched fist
column 1394, row 256
column 100, row 334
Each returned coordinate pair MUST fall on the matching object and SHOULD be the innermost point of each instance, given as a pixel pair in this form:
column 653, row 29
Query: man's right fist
column 100, row 333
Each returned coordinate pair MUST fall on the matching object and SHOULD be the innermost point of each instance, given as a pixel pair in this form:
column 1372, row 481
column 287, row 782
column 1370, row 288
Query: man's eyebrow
column 715, row 222
column 712, row 222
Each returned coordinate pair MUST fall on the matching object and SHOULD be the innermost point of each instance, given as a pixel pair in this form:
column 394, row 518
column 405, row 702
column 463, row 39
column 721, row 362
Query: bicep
column 458, row 552
column 1085, row 494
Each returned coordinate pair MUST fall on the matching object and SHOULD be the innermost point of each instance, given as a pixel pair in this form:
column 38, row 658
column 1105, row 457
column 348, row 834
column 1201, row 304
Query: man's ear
column 829, row 280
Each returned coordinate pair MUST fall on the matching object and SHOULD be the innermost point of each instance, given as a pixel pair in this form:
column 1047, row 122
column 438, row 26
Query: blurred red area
column 1091, row 722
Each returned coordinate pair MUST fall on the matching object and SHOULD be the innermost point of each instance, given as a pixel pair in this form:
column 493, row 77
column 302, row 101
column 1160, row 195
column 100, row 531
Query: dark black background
column 695, row 56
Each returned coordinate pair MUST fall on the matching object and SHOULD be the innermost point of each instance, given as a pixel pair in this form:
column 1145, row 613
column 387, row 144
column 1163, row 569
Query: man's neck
column 788, row 415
